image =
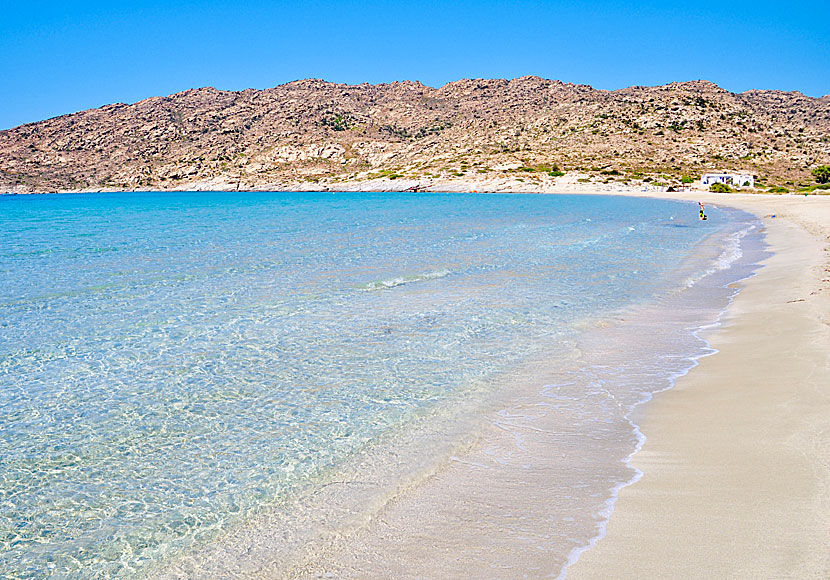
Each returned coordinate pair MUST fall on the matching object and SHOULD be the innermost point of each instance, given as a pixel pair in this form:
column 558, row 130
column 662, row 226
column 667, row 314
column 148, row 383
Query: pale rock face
column 290, row 154
column 331, row 151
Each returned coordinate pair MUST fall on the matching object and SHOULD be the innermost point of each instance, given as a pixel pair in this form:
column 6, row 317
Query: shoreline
column 516, row 434
column 735, row 465
column 404, row 537
column 740, row 492
column 462, row 514
column 480, row 504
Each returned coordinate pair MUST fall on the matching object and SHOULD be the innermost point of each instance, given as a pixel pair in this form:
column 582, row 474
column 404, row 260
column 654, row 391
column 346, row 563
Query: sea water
column 173, row 366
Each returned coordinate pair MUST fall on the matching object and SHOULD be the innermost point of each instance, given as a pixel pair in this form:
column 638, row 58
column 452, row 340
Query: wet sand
column 736, row 466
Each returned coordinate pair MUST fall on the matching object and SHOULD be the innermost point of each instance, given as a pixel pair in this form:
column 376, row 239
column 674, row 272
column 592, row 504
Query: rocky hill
column 315, row 134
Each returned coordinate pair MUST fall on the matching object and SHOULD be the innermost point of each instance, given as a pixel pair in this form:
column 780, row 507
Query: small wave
column 731, row 253
column 401, row 280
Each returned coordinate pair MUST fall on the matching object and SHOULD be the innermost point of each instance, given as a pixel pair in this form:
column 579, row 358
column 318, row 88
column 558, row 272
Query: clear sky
column 64, row 56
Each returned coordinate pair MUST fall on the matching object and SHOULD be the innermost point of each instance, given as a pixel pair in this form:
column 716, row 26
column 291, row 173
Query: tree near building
column 822, row 173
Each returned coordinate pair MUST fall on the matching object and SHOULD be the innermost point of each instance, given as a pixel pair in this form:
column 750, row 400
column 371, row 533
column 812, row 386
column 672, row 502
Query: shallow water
column 175, row 365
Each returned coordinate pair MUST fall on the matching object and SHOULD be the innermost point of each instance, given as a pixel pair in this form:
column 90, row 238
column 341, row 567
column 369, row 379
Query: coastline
column 540, row 450
column 735, row 467
column 736, row 462
column 520, row 493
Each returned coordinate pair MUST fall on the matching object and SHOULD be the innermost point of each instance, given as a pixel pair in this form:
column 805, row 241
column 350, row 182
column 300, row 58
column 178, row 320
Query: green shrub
column 809, row 188
column 822, row 173
column 778, row 190
column 556, row 173
column 686, row 179
column 720, row 188
column 339, row 122
column 544, row 167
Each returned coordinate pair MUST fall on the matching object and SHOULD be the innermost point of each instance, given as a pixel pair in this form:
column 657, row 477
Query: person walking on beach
column 702, row 215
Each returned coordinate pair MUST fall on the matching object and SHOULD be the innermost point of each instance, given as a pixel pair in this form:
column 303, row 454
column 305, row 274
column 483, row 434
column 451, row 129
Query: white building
column 736, row 179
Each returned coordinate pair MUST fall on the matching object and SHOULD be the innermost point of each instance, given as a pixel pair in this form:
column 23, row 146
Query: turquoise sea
column 175, row 365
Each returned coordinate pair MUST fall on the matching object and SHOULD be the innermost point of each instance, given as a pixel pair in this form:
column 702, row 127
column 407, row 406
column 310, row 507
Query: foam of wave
column 401, row 280
column 729, row 255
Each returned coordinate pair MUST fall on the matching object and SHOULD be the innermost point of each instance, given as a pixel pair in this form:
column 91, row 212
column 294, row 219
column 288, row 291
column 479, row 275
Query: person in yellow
column 702, row 215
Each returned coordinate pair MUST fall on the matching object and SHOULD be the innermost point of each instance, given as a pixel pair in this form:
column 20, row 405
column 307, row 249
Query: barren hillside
column 312, row 132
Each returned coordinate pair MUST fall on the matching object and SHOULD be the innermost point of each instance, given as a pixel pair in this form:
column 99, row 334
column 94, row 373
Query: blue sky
column 61, row 57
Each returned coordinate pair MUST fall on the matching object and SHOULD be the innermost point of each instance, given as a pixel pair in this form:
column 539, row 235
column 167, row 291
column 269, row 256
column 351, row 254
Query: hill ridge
column 315, row 131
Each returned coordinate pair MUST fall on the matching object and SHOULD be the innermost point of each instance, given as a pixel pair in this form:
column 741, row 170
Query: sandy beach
column 736, row 466
column 414, row 291
column 734, row 471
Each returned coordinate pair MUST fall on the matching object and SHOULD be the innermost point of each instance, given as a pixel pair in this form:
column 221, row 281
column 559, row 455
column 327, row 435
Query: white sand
column 736, row 467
